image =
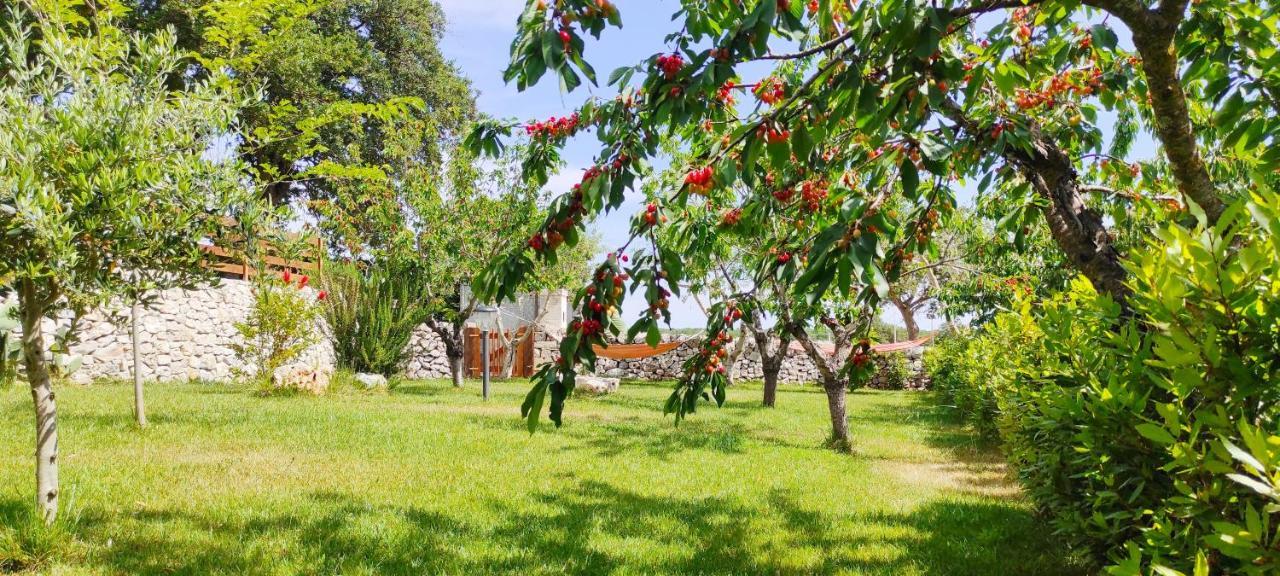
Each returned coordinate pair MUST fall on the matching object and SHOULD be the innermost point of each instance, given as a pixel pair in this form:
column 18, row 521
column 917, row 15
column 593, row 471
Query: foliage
column 1125, row 429
column 957, row 362
column 356, row 95
column 338, row 472
column 103, row 167
column 868, row 115
column 373, row 313
column 282, row 324
column 993, row 272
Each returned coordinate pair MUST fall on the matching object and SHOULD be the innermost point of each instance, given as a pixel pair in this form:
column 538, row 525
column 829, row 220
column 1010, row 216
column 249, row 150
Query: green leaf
column 910, row 179
column 1156, row 433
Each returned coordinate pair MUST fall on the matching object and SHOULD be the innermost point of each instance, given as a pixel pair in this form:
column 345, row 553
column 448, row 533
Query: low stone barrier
column 184, row 335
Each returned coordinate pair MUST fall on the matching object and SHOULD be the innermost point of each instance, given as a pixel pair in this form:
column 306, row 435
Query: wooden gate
column 473, row 361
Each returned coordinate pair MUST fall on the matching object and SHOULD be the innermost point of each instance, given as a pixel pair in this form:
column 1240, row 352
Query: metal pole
column 484, row 355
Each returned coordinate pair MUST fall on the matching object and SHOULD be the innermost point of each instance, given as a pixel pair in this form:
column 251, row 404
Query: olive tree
column 106, row 184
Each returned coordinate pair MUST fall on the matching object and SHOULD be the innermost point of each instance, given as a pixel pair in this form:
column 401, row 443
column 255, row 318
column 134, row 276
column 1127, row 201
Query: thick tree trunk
column 1153, row 35
column 1077, row 230
column 836, row 396
column 908, row 318
column 770, row 365
column 42, row 396
column 455, row 370
column 769, row 371
column 139, row 407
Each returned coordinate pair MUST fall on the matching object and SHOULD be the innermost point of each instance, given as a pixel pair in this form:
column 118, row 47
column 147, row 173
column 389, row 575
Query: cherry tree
column 869, row 118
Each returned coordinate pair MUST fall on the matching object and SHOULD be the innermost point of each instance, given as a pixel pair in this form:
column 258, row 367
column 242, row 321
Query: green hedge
column 1149, row 437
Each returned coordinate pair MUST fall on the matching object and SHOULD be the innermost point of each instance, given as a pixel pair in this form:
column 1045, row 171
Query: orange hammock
column 634, row 351
column 637, row 351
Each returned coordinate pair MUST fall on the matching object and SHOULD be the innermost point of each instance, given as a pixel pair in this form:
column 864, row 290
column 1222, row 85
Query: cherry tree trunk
column 770, row 367
column 42, row 396
column 836, row 405
column 908, row 318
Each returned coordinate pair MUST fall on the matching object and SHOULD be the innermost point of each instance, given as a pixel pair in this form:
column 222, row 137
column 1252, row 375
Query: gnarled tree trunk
column 770, row 362
column 451, row 335
column 836, row 396
column 832, row 385
column 908, row 317
column 37, row 370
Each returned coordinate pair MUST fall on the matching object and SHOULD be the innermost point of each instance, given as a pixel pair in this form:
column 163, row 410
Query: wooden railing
column 231, row 262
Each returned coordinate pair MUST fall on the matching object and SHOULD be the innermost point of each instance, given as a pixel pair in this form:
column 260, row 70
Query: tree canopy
column 896, row 100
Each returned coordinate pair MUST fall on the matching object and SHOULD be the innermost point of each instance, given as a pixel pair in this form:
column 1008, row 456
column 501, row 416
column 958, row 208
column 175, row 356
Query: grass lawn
column 432, row 480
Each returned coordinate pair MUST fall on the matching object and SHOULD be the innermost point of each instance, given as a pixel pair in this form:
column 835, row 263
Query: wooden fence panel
column 473, row 365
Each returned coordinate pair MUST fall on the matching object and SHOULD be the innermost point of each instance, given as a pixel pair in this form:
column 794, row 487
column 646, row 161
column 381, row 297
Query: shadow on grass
column 590, row 528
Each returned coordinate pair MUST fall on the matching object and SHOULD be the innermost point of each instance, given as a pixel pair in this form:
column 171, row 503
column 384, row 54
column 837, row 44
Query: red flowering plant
column 282, row 324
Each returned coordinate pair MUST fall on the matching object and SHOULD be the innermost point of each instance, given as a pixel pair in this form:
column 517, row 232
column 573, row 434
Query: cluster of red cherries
column 771, row 91
column 554, row 127
column 670, row 65
column 700, row 181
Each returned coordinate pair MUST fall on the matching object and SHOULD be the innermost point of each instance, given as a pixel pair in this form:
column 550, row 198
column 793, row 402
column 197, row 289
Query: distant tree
column 357, row 95
column 571, row 269
column 105, row 188
column 462, row 222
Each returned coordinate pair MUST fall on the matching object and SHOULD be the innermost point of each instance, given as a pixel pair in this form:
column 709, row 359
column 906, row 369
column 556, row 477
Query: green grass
column 432, row 480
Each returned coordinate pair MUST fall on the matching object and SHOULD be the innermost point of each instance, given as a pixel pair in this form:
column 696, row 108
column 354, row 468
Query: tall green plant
column 9, row 347
column 372, row 314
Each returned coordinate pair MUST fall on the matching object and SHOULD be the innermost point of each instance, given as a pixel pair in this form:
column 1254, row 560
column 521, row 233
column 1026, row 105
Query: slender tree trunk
column 451, row 336
column 139, row 407
column 831, row 383
column 42, row 396
column 837, row 407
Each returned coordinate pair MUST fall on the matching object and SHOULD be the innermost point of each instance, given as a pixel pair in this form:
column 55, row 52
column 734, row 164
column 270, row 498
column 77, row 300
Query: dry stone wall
column 426, row 358
column 185, row 335
column 796, row 368
column 189, row 335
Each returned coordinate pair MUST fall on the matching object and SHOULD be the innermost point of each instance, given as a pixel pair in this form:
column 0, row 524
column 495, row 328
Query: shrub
column 1124, row 425
column 892, row 371
column 281, row 324
column 372, row 315
column 955, row 363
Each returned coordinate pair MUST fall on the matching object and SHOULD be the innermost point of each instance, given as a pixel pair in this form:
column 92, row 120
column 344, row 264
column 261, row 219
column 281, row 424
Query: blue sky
column 478, row 38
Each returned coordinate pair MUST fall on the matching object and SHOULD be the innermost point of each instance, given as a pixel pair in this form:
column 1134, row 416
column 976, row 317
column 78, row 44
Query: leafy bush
column 1123, row 425
column 956, row 363
column 281, row 324
column 372, row 315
